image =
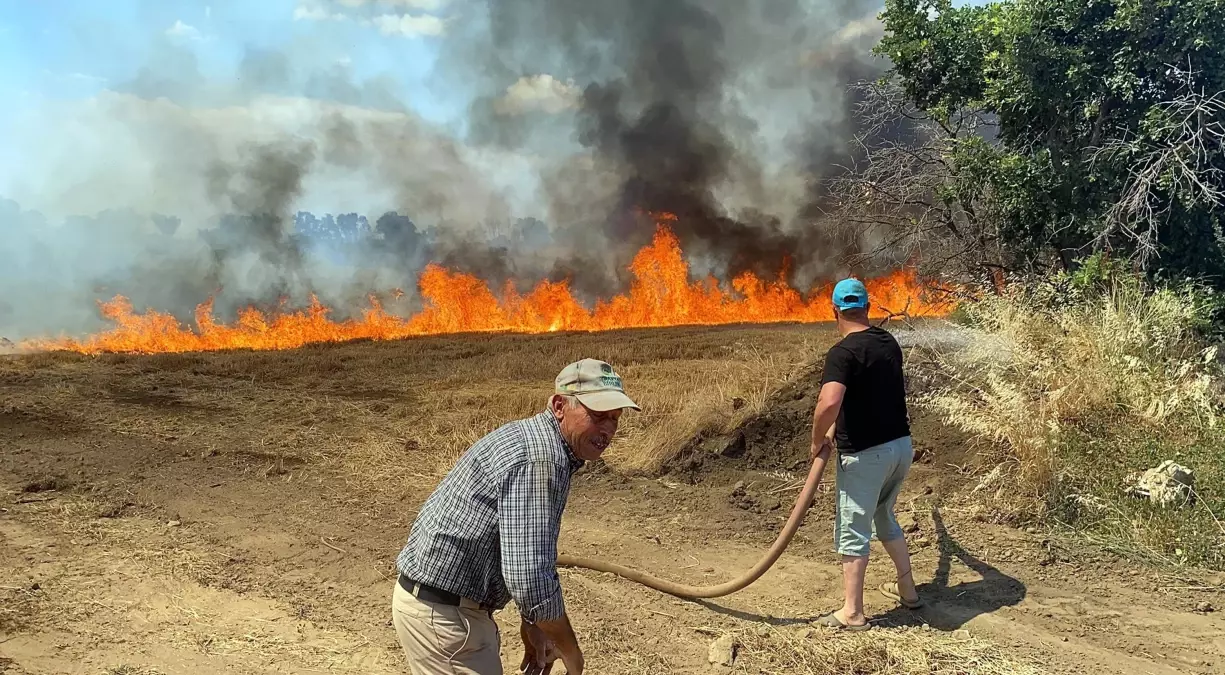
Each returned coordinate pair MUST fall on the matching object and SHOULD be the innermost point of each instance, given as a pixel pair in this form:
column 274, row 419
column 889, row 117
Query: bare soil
column 135, row 540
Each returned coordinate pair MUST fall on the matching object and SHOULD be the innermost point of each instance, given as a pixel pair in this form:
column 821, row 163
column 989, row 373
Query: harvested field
column 241, row 512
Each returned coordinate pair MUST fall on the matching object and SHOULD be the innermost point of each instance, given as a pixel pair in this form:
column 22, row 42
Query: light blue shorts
column 868, row 484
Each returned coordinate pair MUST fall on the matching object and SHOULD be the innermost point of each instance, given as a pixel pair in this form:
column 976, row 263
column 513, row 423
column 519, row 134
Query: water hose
column 753, row 574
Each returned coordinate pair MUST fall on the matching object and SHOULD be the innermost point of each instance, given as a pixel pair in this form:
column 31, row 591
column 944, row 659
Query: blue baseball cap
column 850, row 294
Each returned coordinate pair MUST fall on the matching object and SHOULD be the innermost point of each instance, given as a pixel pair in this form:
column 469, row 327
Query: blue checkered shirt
column 489, row 530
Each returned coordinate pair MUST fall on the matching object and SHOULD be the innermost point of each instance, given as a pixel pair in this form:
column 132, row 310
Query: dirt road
column 149, row 556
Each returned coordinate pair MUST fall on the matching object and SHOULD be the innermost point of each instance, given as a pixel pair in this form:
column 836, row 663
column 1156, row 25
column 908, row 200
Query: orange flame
column 661, row 294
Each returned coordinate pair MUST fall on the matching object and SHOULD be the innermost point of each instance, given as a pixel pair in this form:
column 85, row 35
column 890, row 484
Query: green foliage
column 1094, row 272
column 941, row 60
column 1100, row 275
column 1108, row 135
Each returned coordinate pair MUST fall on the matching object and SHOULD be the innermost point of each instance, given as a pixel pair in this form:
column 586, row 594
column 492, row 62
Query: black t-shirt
column 869, row 363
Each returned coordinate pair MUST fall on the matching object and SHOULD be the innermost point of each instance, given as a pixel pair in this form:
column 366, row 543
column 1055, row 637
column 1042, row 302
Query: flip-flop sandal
column 831, row 621
column 890, row 590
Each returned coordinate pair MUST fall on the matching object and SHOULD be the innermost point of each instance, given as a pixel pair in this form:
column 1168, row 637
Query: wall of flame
column 661, row 294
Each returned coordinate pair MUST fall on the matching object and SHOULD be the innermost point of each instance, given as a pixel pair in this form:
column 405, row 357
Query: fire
column 661, row 294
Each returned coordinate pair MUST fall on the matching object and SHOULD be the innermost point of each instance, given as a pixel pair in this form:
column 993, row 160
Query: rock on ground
column 1169, row 484
column 723, row 651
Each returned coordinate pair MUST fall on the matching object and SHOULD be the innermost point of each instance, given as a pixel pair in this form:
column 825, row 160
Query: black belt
column 429, row 593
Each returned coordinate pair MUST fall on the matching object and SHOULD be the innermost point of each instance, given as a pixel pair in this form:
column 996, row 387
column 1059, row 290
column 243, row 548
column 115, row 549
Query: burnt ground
column 127, row 549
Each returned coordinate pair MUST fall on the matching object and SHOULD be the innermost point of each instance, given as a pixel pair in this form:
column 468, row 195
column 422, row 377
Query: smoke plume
column 580, row 121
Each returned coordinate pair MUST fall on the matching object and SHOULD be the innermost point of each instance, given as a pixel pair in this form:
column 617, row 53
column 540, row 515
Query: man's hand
column 540, row 650
column 539, row 653
column 562, row 645
column 826, row 447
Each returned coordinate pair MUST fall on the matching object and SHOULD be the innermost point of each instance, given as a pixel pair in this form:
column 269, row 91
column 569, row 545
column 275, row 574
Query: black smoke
column 663, row 110
column 726, row 114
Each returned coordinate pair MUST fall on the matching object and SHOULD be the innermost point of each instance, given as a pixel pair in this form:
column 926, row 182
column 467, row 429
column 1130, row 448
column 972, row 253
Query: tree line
column 1043, row 133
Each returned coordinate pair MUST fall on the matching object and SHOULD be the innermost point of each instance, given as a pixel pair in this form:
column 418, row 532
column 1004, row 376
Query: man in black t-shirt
column 862, row 409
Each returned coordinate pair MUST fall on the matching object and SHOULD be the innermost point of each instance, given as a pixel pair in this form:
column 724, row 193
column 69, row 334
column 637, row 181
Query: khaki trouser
column 445, row 640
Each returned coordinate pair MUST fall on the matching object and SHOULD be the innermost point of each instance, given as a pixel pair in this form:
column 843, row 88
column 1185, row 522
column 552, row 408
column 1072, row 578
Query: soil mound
column 778, row 437
column 775, row 438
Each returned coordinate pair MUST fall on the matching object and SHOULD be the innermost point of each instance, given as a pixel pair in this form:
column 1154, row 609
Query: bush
column 1076, row 382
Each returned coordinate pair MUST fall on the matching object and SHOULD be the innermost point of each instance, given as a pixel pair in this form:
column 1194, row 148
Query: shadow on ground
column 945, row 607
column 951, row 607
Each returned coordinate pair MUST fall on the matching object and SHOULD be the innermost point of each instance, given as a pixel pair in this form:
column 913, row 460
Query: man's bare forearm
column 829, row 402
column 820, row 457
column 823, row 419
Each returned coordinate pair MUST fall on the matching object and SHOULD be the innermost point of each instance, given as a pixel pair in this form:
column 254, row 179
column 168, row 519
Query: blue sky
column 57, row 49
column 64, row 50
column 74, row 48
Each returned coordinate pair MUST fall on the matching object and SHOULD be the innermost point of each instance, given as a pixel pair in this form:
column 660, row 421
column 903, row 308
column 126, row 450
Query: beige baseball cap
column 594, row 384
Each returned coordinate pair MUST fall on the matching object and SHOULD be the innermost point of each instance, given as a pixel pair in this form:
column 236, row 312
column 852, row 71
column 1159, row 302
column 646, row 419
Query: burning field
column 240, row 511
column 660, row 294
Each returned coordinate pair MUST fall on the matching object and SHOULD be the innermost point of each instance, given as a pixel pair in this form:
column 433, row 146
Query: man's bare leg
column 854, row 569
column 899, row 552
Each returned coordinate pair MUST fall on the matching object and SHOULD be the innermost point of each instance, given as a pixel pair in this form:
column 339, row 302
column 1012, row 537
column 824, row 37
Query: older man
column 488, row 534
column 862, row 410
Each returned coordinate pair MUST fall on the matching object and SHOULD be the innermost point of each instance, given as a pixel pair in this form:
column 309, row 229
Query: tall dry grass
column 1072, row 386
column 685, row 381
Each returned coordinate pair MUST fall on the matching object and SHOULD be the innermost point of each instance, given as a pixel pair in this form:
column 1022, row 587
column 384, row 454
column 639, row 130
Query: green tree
column 1109, row 122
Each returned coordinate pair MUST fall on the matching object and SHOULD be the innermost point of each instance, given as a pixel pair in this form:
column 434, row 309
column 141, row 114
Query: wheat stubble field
column 240, row 512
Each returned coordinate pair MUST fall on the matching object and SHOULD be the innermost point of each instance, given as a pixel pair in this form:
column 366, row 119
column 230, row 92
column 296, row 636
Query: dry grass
column 883, row 651
column 1036, row 367
column 686, row 396
column 685, row 381
column 398, row 414
column 17, row 605
column 1072, row 390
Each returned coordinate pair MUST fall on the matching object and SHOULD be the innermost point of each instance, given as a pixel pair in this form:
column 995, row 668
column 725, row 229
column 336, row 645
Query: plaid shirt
column 489, row 530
